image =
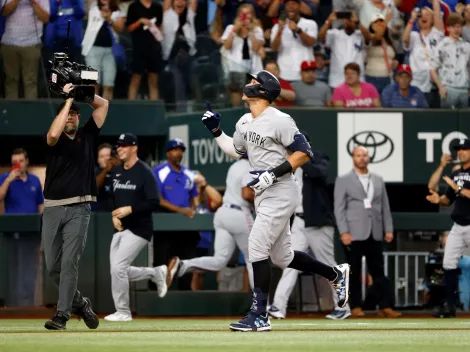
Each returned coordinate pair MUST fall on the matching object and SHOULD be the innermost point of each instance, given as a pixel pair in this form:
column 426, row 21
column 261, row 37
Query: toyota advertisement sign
column 381, row 134
column 424, row 134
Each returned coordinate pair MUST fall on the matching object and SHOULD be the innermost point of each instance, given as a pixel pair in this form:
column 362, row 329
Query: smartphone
column 16, row 166
column 340, row 15
column 283, row 16
column 243, row 16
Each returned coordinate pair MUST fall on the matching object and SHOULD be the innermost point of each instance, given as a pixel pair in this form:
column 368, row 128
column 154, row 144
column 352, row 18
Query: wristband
column 217, row 132
column 299, row 30
column 204, row 187
column 411, row 22
column 282, row 169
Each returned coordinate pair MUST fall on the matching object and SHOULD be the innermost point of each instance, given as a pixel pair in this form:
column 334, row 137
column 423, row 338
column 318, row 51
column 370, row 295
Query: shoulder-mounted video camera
column 62, row 72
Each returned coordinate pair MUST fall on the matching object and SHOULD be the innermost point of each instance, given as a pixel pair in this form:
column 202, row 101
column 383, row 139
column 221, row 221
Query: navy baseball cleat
column 253, row 322
column 341, row 284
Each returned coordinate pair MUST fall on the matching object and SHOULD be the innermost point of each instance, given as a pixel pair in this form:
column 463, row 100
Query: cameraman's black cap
column 463, row 144
column 127, row 139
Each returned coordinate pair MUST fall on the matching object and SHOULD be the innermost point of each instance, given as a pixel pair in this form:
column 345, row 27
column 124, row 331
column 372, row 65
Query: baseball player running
column 275, row 148
column 459, row 236
column 318, row 237
column 232, row 223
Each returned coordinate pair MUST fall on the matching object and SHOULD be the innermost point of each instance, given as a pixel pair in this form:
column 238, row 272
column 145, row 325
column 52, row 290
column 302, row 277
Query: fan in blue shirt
column 19, row 190
column 402, row 94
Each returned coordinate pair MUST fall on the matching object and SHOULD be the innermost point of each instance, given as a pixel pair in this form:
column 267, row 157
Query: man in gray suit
column 362, row 214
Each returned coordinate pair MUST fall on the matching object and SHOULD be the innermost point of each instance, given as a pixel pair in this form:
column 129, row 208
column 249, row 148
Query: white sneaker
column 160, row 280
column 275, row 312
column 118, row 316
column 339, row 314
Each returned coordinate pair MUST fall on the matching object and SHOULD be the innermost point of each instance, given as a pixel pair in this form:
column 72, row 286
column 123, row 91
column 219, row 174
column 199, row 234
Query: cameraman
column 69, row 188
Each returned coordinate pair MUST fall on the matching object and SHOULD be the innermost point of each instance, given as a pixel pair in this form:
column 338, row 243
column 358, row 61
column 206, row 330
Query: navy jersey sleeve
column 151, row 191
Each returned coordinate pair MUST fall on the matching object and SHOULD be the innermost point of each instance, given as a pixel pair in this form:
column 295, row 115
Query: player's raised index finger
column 209, row 106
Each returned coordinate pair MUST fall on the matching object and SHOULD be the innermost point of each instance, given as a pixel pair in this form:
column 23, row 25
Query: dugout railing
column 95, row 277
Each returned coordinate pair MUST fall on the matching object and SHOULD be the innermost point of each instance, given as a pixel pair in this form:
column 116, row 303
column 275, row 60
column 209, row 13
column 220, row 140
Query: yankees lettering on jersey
column 254, row 137
column 127, row 185
column 460, row 179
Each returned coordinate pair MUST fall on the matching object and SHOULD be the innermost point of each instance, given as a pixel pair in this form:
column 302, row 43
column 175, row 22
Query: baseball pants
column 457, row 242
column 320, row 241
column 232, row 228
column 64, row 232
column 270, row 236
column 125, row 247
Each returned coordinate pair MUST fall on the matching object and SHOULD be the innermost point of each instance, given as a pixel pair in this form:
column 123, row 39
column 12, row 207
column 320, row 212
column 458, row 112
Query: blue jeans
column 378, row 82
column 464, row 281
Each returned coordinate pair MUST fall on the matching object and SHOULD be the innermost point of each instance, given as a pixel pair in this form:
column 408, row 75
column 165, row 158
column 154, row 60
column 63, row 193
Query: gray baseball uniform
column 266, row 139
column 232, row 223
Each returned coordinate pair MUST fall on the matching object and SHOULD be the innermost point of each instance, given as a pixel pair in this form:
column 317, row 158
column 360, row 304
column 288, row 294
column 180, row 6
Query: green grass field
column 292, row 335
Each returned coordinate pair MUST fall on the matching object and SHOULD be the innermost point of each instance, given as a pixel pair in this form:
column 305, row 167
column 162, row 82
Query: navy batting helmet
column 268, row 88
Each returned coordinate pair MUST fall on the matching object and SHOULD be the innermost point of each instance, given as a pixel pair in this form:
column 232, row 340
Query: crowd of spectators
column 333, row 53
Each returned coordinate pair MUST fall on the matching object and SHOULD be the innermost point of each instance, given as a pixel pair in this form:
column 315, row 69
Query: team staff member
column 314, row 228
column 362, row 213
column 107, row 159
column 69, row 188
column 178, row 194
column 459, row 236
column 135, row 196
column 22, row 194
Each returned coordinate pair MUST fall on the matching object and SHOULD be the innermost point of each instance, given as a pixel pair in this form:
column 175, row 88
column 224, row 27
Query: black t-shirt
column 103, row 38
column 136, row 187
column 137, row 11
column 70, row 170
column 105, row 194
column 461, row 213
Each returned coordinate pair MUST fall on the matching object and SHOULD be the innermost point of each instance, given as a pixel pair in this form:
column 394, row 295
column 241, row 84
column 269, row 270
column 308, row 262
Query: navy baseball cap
column 176, row 143
column 463, row 144
column 127, row 139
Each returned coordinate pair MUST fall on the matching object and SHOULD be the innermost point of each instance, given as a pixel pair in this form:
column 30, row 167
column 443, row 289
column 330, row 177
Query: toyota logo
column 379, row 145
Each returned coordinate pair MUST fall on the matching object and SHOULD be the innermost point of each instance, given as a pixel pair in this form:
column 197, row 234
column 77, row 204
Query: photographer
column 70, row 186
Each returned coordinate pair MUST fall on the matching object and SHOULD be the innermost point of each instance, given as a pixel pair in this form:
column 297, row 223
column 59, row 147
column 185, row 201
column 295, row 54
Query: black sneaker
column 86, row 313
column 444, row 312
column 57, row 322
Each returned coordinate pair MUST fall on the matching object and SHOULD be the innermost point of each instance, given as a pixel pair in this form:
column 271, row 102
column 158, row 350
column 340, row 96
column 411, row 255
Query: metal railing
column 405, row 271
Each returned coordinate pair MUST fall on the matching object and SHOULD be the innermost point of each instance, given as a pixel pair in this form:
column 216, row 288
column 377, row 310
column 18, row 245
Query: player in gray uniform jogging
column 276, row 148
column 232, row 224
